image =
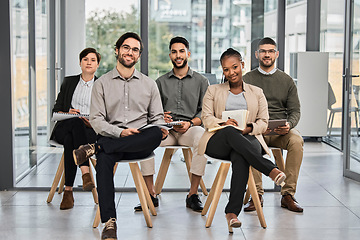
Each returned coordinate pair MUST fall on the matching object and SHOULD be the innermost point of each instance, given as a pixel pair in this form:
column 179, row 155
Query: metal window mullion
column 208, row 33
column 7, row 172
column 51, row 91
column 313, row 25
column 144, row 33
column 281, row 33
column 32, row 76
column 346, row 124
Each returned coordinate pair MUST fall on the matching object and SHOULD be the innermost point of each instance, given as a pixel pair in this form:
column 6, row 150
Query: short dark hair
column 179, row 39
column 127, row 35
column 230, row 52
column 86, row 51
column 266, row 40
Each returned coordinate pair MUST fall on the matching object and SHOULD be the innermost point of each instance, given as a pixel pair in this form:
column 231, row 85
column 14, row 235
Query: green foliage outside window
column 103, row 28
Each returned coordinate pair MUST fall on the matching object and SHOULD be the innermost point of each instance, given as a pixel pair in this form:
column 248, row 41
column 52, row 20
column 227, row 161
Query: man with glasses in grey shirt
column 122, row 101
column 182, row 91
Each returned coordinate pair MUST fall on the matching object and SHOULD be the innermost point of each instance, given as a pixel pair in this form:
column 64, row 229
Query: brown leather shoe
column 67, row 201
column 250, row 206
column 88, row 184
column 83, row 153
column 109, row 231
column 289, row 202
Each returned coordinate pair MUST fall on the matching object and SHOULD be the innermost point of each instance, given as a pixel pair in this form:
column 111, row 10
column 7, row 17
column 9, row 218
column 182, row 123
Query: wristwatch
column 191, row 123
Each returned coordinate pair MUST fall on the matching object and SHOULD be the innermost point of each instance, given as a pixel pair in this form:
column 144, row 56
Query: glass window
column 41, row 72
column 20, row 82
column 106, row 21
column 172, row 18
column 332, row 41
column 295, row 29
column 233, row 27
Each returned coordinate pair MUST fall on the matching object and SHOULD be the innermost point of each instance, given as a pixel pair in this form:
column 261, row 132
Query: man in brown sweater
column 283, row 103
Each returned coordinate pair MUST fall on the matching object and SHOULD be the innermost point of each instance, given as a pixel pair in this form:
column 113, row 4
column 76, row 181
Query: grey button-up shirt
column 183, row 97
column 117, row 103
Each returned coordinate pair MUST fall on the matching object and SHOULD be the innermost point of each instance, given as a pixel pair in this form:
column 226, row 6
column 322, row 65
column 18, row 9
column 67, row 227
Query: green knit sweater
column 280, row 92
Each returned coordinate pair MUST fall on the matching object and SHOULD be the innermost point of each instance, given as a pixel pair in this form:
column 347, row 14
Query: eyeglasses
column 270, row 51
column 127, row 48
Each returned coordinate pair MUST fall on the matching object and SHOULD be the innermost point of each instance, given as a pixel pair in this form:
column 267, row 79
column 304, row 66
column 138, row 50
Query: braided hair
column 230, row 52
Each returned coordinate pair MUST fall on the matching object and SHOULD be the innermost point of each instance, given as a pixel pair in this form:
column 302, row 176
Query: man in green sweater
column 283, row 103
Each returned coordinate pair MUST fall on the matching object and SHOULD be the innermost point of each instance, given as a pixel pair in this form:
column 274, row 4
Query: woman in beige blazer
column 242, row 148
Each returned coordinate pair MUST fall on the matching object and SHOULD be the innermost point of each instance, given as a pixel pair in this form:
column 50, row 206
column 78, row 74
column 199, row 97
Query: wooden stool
column 217, row 187
column 60, row 173
column 280, row 163
column 169, row 152
column 141, row 189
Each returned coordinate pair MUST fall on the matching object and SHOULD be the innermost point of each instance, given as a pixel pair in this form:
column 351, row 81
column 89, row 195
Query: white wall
column 312, row 85
column 74, row 35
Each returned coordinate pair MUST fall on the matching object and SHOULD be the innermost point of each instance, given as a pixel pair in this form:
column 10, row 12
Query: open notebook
column 63, row 116
column 239, row 115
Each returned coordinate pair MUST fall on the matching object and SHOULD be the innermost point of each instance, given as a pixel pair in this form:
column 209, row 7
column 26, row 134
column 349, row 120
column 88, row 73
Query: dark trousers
column 114, row 150
column 243, row 151
column 72, row 133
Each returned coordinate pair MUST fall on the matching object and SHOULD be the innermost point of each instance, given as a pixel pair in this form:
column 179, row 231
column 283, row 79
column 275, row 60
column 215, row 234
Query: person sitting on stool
column 74, row 98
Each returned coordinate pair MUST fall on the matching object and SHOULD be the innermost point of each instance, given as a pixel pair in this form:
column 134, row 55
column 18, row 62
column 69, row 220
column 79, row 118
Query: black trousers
column 114, row 150
column 72, row 133
column 243, row 151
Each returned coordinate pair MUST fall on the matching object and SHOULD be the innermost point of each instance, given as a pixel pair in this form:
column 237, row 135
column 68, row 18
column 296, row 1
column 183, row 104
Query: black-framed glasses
column 270, row 51
column 127, row 48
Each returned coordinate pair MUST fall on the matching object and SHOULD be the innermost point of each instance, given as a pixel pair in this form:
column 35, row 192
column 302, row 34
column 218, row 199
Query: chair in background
column 332, row 101
column 60, row 173
column 141, row 189
column 211, row 77
column 169, row 152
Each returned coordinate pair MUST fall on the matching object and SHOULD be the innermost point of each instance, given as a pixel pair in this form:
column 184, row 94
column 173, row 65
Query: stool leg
column 255, row 198
column 147, row 195
column 62, row 183
column 211, row 195
column 188, row 159
column 134, row 167
column 55, row 183
column 279, row 160
column 163, row 169
column 224, row 170
column 97, row 218
column 94, row 192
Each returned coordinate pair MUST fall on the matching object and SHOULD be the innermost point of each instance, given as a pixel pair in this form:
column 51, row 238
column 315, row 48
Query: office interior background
column 42, row 38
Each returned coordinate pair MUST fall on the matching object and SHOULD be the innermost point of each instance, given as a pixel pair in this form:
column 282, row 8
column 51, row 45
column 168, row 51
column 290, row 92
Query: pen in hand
column 231, row 121
column 74, row 111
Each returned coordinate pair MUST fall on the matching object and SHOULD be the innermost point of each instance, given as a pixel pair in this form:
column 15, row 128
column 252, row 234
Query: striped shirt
column 82, row 96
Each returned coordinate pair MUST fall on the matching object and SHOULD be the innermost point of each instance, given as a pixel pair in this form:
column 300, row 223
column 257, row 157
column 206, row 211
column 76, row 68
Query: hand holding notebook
column 239, row 115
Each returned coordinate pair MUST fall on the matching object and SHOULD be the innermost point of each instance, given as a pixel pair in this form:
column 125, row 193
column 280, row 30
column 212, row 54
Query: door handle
column 353, row 76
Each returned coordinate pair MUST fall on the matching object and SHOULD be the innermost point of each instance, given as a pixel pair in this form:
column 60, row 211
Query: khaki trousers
column 191, row 139
column 293, row 143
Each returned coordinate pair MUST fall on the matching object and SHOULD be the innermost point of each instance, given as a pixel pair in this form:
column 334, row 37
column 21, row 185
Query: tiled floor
column 331, row 207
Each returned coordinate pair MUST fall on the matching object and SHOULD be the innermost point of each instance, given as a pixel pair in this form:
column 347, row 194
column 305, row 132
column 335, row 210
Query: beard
column 181, row 66
column 123, row 62
column 262, row 63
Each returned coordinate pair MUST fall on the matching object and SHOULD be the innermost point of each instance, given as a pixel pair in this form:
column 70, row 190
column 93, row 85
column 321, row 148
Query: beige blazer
column 214, row 104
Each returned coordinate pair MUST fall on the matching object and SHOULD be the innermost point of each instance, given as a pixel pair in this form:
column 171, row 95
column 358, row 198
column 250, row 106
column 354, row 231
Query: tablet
column 274, row 124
